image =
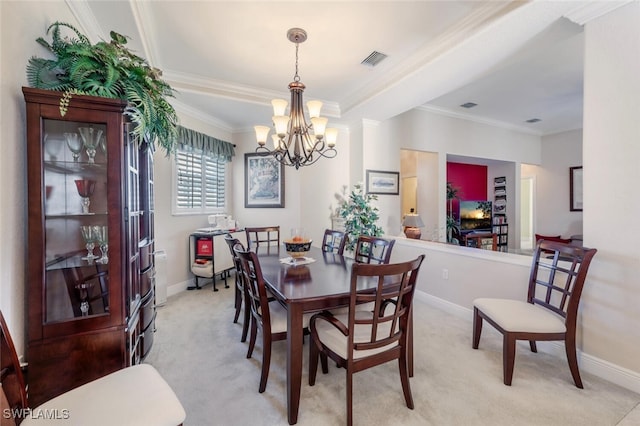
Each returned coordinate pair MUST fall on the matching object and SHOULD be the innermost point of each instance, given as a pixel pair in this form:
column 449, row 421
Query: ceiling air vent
column 533, row 120
column 468, row 105
column 373, row 59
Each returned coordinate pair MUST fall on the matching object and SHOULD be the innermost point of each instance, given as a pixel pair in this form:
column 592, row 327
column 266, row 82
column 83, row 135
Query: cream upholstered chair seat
column 135, row 395
column 338, row 343
column 278, row 316
column 518, row 315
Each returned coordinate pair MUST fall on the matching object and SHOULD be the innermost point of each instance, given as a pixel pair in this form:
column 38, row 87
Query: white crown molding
column 592, row 10
column 185, row 109
column 475, row 119
column 141, row 14
column 241, row 93
column 87, row 21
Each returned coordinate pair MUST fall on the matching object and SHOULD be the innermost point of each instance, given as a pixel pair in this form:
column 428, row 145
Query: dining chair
column 374, row 250
column 556, row 280
column 134, row 395
column 240, row 293
column 269, row 317
column 333, row 241
column 264, row 236
column 359, row 340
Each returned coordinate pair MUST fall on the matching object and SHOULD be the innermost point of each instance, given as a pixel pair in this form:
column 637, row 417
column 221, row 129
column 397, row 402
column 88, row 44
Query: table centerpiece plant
column 110, row 70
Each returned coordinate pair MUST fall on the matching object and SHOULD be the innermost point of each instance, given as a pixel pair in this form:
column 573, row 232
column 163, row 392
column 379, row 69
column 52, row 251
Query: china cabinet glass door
column 76, row 220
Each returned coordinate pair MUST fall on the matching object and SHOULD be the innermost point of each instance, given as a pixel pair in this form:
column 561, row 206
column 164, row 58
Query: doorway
column 527, row 190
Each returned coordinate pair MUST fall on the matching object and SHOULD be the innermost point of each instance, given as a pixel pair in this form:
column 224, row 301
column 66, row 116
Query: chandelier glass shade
column 295, row 142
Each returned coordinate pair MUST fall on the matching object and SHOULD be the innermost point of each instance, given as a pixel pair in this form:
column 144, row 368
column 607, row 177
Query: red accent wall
column 471, row 181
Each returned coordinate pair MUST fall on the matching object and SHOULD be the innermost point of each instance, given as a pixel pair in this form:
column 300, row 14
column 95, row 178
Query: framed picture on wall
column 263, row 181
column 575, row 189
column 381, row 182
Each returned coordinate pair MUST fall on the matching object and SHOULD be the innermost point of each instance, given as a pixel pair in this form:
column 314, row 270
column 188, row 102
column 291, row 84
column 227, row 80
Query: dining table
column 322, row 281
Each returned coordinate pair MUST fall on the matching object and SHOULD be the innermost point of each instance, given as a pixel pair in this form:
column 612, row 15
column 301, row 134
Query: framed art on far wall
column 381, row 182
column 575, row 188
column 263, row 181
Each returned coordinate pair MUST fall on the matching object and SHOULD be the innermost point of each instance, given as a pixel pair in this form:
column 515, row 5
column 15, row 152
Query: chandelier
column 296, row 143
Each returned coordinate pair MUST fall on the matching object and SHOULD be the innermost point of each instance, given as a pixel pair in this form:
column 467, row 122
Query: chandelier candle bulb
column 281, row 122
column 331, row 135
column 262, row 133
column 314, row 108
column 279, row 106
column 319, row 124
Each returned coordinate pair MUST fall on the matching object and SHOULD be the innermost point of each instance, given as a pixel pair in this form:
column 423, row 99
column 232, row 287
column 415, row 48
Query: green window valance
column 188, row 138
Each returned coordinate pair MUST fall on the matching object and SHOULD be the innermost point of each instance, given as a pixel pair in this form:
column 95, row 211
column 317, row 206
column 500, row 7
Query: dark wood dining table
column 322, row 284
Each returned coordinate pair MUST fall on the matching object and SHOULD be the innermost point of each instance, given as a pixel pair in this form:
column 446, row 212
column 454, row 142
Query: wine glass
column 91, row 138
column 85, row 190
column 101, row 236
column 88, row 237
column 75, row 144
column 83, row 288
column 52, row 145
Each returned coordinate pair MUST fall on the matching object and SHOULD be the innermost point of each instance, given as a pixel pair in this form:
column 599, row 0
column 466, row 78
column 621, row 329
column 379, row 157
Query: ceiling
column 228, row 59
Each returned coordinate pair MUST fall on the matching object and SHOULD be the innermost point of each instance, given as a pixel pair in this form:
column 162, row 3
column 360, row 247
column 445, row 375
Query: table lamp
column 412, row 224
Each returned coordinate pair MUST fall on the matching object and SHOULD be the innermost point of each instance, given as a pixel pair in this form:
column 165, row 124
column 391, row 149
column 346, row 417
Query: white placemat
column 300, row 261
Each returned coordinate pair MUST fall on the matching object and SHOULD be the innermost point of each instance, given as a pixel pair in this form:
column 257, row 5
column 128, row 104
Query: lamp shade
column 412, row 221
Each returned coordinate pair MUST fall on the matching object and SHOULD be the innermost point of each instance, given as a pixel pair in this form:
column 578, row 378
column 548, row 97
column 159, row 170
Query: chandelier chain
column 296, row 77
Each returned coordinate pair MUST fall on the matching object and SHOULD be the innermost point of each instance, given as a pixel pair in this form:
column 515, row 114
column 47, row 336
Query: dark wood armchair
column 374, row 250
column 359, row 339
column 333, row 241
column 240, row 293
column 263, row 238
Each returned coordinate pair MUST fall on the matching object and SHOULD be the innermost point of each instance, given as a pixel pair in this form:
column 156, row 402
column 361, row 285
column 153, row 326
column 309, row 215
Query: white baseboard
column 588, row 363
column 176, row 288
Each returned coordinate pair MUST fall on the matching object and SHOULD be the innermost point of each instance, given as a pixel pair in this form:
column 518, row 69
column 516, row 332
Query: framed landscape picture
column 381, row 182
column 263, row 181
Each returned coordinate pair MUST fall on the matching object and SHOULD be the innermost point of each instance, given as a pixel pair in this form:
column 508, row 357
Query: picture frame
column 383, row 182
column 575, row 189
column 263, row 181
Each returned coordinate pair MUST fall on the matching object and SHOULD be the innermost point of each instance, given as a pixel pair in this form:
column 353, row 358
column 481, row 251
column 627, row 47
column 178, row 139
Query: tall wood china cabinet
column 90, row 280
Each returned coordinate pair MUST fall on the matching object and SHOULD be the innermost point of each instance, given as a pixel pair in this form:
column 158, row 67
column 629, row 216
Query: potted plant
column 452, row 225
column 359, row 216
column 111, row 70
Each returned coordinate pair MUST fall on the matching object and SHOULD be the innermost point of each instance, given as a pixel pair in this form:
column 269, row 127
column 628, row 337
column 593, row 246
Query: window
column 199, row 182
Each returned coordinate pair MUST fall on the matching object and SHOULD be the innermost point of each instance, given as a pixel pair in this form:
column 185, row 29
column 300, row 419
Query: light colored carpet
column 198, row 350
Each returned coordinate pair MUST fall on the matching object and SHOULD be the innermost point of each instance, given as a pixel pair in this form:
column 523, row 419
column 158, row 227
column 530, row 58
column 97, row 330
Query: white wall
column 21, row 23
column 553, row 217
column 611, row 151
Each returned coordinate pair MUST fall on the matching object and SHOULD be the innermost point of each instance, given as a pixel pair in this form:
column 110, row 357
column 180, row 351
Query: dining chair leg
column 570, row 349
column 313, row 362
column 324, row 362
column 349, row 397
column 237, row 303
column 532, row 345
column 266, row 361
column 252, row 339
column 477, row 328
column 245, row 322
column 508, row 357
column 404, row 379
